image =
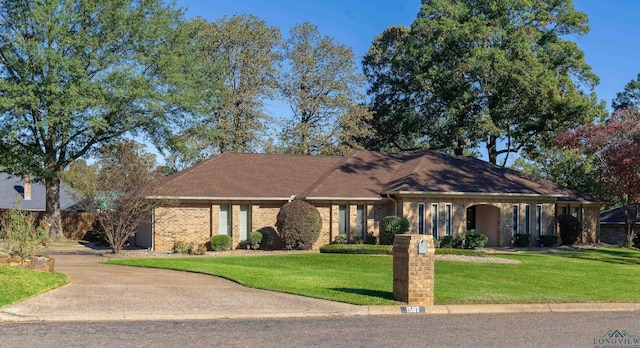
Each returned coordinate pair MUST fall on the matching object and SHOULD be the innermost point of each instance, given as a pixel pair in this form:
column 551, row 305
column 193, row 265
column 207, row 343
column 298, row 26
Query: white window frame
column 361, row 221
column 448, row 218
column 434, row 221
column 421, row 218
column 245, row 226
column 516, row 219
column 225, row 228
column 539, row 219
column 343, row 219
column 527, row 219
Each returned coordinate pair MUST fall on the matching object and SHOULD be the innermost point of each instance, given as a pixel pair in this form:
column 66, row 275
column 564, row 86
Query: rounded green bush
column 450, row 242
column 521, row 240
column 340, row 239
column 298, row 224
column 221, row 242
column 570, row 229
column 255, row 238
column 474, row 240
column 392, row 225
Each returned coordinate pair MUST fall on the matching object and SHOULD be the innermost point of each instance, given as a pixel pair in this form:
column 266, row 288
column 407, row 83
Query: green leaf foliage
column 298, row 225
column 77, row 73
column 470, row 74
column 322, row 87
column 392, row 225
column 570, row 229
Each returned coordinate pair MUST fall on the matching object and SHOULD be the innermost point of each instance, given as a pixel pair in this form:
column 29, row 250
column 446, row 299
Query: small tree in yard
column 616, row 145
column 299, row 225
column 117, row 188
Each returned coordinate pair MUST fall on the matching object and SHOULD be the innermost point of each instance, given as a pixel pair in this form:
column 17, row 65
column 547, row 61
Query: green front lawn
column 595, row 275
column 17, row 284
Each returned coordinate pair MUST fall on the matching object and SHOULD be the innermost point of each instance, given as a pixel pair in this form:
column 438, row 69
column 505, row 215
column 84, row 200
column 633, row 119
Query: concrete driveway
column 99, row 291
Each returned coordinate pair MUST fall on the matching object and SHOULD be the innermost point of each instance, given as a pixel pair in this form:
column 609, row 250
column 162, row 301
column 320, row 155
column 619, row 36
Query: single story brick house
column 31, row 197
column 612, row 224
column 235, row 193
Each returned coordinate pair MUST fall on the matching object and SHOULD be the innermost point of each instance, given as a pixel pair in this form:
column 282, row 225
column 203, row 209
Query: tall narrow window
column 516, row 218
column 360, row 223
column 245, row 221
column 448, row 219
column 343, row 221
column 527, row 219
column 539, row 219
column 225, row 219
column 421, row 218
column 434, row 220
column 578, row 213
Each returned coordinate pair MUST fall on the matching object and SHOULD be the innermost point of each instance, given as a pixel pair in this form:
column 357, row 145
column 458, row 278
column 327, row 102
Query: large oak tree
column 78, row 73
column 471, row 74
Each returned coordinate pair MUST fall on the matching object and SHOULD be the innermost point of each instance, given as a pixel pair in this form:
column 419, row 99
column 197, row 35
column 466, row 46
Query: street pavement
column 103, row 292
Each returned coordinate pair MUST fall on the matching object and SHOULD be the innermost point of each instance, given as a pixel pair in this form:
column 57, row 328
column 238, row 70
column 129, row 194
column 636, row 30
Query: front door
column 471, row 218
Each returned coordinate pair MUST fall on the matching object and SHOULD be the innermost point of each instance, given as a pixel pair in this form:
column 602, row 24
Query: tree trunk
column 53, row 208
column 492, row 151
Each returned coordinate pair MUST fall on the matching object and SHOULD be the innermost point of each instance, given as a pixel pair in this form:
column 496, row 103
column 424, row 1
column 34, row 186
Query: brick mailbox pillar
column 413, row 276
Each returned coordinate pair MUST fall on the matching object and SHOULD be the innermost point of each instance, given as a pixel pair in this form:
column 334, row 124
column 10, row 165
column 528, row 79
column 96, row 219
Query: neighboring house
column 441, row 195
column 612, row 224
column 31, row 197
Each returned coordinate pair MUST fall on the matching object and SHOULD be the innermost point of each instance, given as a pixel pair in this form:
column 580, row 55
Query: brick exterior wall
column 197, row 222
column 504, row 215
column 190, row 224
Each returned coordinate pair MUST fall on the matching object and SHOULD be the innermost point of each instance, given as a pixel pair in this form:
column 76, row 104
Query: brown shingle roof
column 245, row 175
column 364, row 175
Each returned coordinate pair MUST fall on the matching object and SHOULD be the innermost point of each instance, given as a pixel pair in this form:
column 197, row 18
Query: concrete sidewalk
column 102, row 292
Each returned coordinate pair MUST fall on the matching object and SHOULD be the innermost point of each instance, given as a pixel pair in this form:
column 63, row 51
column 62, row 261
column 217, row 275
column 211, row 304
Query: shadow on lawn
column 366, row 292
column 621, row 256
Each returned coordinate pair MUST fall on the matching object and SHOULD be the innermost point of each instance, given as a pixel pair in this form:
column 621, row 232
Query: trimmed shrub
column 221, row 242
column 521, row 240
column 370, row 239
column 392, row 225
column 298, row 225
column 196, row 249
column 340, row 239
column 636, row 240
column 255, row 238
column 570, row 229
column 357, row 240
column 474, row 240
column 450, row 242
column 464, row 252
column 179, row 247
column 356, row 249
column 548, row 240
column 270, row 239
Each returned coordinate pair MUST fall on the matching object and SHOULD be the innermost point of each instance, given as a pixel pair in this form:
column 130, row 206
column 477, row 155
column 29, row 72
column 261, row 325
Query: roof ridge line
column 324, row 176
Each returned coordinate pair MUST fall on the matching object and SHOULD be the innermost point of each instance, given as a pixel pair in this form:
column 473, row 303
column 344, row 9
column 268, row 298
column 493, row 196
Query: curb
column 393, row 310
column 508, row 308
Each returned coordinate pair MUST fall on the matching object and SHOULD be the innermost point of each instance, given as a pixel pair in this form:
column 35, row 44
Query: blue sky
column 612, row 47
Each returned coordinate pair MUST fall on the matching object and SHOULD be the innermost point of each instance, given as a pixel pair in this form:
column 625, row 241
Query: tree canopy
column 321, row 86
column 481, row 73
column 616, row 145
column 78, row 73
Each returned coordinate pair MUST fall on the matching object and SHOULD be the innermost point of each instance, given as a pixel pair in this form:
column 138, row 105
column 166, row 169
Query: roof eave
column 343, row 198
column 207, row 198
column 474, row 194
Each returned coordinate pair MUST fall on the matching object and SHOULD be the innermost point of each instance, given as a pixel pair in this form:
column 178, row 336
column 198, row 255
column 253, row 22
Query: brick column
column 413, row 276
